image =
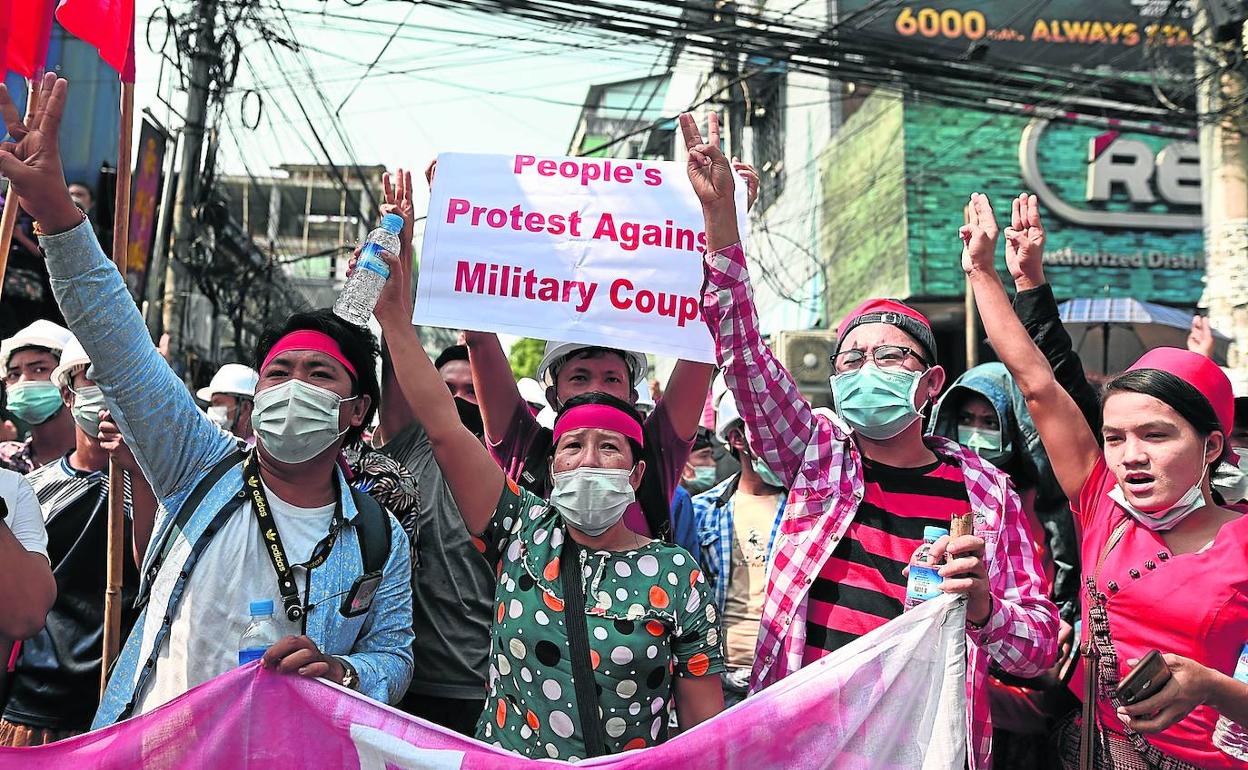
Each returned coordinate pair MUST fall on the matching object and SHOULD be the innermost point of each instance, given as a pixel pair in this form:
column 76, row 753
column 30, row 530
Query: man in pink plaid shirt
column 865, row 483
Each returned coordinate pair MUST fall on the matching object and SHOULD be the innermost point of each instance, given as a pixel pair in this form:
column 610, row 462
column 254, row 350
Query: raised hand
column 113, row 443
column 750, row 174
column 398, row 195
column 1024, row 243
column 1200, row 340
column 979, row 236
column 709, row 170
column 31, row 158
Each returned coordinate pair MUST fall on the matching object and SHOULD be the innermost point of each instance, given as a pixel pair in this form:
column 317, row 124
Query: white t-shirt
column 231, row 573
column 25, row 517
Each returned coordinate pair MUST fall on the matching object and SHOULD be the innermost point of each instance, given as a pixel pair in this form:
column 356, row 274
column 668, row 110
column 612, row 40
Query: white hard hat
column 40, row 334
column 546, row 418
column 531, row 391
column 232, row 380
column 644, row 399
column 1239, row 381
column 72, row 357
column 558, row 351
column 726, row 415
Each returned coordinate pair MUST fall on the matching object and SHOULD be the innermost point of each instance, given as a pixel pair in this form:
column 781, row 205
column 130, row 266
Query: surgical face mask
column 765, row 473
column 296, row 421
column 987, row 443
column 703, row 479
column 1232, row 482
column 220, row 417
column 878, row 403
column 592, row 499
column 86, row 410
column 35, row 402
column 1166, row 518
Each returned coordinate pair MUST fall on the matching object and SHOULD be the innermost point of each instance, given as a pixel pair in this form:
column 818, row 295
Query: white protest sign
column 600, row 251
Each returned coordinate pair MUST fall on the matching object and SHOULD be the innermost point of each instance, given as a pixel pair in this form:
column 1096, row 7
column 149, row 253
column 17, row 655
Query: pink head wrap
column 308, row 339
column 1201, row 373
column 598, row 416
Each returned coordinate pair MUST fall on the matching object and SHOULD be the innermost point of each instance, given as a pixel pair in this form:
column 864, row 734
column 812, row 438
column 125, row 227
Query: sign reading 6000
column 1059, row 33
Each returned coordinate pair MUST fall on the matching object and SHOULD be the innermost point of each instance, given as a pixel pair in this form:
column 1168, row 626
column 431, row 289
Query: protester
column 231, row 399
column 452, row 582
column 453, row 365
column 864, row 486
column 1231, row 480
column 1148, row 524
column 737, row 524
column 27, row 588
column 27, row 360
column 698, row 475
column 55, row 685
column 317, row 391
column 647, row 634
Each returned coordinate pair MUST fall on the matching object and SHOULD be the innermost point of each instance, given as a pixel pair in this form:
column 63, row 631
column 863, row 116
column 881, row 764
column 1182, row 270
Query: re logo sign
column 1114, row 160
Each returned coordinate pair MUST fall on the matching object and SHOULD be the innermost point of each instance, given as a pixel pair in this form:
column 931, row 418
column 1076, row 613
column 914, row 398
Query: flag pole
column 8, row 220
column 116, row 484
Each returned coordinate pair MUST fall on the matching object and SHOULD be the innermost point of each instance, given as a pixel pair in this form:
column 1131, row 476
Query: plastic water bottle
column 1228, row 736
column 261, row 634
column 924, row 581
column 359, row 295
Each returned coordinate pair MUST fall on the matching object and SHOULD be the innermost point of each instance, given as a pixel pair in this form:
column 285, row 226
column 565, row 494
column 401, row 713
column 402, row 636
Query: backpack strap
column 372, row 526
column 169, row 535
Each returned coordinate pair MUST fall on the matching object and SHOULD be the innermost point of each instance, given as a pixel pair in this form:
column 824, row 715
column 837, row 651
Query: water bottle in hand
column 359, row 295
column 924, row 581
column 260, row 635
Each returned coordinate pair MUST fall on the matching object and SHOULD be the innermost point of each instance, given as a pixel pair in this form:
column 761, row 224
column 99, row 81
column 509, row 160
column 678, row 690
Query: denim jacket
column 176, row 446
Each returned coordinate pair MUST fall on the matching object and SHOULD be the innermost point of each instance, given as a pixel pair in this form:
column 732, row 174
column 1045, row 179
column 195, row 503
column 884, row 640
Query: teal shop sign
column 1121, row 207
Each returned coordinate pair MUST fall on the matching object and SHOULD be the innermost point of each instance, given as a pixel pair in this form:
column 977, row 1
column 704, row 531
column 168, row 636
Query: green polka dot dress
column 650, row 618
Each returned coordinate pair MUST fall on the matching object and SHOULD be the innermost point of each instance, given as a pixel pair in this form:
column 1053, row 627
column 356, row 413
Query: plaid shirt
column 814, row 454
column 714, row 518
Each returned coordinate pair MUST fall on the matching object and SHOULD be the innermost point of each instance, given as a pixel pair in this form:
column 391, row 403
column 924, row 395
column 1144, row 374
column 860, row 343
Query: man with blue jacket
column 278, row 523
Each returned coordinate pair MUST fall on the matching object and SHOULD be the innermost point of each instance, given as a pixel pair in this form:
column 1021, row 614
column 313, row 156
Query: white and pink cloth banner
column 893, row 699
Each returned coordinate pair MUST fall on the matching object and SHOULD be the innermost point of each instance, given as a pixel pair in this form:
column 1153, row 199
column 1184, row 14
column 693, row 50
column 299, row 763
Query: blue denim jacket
column 176, row 446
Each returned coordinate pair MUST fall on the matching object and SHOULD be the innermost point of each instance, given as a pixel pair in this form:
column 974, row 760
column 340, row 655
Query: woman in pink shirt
column 1165, row 561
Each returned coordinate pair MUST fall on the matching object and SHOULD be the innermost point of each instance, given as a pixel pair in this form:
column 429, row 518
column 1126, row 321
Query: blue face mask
column 765, row 473
column 878, row 403
column 35, row 402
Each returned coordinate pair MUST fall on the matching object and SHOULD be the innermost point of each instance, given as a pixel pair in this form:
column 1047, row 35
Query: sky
column 448, row 81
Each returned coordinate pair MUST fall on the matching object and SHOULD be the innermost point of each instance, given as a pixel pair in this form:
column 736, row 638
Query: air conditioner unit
column 807, row 354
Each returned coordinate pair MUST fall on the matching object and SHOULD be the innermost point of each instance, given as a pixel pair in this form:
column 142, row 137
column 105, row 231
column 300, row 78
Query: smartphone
column 1145, row 680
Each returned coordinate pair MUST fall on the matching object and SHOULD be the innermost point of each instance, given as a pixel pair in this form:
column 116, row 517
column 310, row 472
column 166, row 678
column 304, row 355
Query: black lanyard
column 273, row 542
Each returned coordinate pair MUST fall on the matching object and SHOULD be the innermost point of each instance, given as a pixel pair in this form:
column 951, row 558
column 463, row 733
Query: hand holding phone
column 1145, row 680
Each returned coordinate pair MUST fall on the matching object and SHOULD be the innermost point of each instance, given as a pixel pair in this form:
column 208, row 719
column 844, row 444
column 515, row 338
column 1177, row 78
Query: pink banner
column 892, row 700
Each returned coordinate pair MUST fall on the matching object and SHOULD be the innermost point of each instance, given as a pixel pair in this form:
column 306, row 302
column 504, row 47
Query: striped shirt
column 861, row 586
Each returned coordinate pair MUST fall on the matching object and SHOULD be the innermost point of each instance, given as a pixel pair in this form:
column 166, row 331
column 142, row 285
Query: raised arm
column 395, row 414
column 1036, row 308
column 497, row 393
column 1069, row 441
column 475, row 480
column 686, row 395
column 171, row 439
column 778, row 419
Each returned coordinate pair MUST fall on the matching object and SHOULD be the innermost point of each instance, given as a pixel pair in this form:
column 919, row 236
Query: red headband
column 598, row 416
column 307, row 339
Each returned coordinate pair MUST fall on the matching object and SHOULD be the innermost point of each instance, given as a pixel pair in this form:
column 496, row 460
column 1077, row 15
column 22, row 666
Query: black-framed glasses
column 884, row 356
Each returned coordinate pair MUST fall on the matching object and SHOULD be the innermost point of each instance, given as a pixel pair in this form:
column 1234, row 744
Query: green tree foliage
column 525, row 355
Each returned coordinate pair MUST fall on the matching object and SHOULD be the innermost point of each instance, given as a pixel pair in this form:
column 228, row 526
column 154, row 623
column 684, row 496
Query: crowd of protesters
column 551, row 568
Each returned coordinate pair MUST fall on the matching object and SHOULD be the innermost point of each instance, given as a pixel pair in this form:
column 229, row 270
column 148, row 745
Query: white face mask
column 1232, row 482
column 86, row 410
column 592, row 499
column 296, row 421
column 1167, row 518
column 220, row 416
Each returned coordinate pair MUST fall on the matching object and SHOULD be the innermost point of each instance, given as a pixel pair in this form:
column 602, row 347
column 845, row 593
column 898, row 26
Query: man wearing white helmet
column 229, row 398
column 56, row 680
column 1231, row 481
column 569, row 369
column 737, row 522
column 26, row 362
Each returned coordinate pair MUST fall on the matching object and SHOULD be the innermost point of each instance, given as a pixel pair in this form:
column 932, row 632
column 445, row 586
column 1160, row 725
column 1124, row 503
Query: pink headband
column 598, row 416
column 307, row 339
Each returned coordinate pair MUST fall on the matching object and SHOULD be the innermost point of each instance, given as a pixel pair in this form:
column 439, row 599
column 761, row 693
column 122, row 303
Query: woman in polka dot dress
column 652, row 625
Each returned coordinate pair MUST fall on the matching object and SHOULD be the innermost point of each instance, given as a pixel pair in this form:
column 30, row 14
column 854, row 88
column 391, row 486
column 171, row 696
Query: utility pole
column 203, row 56
column 1224, row 176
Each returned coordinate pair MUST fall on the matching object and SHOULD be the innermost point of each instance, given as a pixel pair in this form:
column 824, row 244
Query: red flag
column 24, row 39
column 106, row 24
